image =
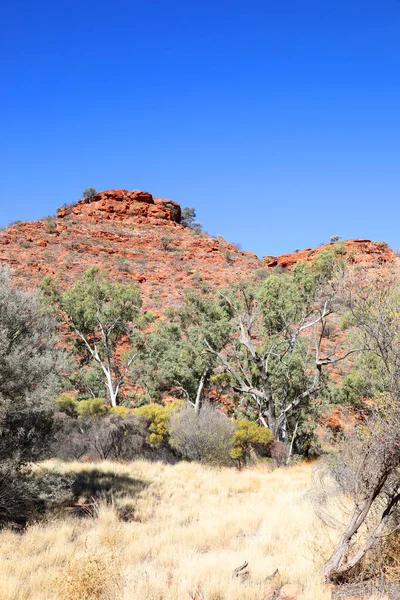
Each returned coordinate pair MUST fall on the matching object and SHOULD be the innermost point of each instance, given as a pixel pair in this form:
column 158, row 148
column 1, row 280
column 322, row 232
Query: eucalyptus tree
column 102, row 316
column 279, row 349
column 174, row 357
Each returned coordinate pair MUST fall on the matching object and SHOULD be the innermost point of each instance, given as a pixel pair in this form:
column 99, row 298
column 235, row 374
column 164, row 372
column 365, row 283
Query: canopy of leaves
column 95, row 303
column 30, row 368
column 173, row 356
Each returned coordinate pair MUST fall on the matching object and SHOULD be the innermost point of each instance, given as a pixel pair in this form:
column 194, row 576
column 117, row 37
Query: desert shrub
column 92, row 576
column 278, row 451
column 29, row 380
column 24, row 496
column 123, row 266
column 157, row 418
column 88, row 193
column 70, row 440
column 339, row 248
column 68, row 404
column 50, row 223
column 167, row 243
column 116, row 437
column 381, row 244
column 93, row 408
column 122, row 411
column 261, row 274
column 249, row 437
column 334, row 238
column 206, row 437
column 109, row 436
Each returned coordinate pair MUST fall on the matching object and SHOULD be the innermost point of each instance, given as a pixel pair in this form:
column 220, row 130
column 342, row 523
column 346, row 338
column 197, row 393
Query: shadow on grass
column 95, row 484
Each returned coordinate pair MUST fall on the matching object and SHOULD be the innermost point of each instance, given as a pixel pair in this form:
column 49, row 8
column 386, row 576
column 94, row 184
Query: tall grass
column 189, row 527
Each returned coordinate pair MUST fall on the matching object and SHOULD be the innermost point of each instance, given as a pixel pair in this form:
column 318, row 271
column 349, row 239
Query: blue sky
column 278, row 120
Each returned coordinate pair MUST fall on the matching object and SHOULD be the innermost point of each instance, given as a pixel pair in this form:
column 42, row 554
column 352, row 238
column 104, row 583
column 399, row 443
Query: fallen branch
column 238, row 571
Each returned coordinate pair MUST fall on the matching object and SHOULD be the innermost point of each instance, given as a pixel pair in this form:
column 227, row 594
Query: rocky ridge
column 138, row 238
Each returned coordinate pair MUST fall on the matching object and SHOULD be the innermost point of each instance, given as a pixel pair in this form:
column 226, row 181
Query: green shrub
column 339, row 248
column 206, row 437
column 248, row 436
column 68, row 404
column 89, row 193
column 158, row 418
column 89, row 409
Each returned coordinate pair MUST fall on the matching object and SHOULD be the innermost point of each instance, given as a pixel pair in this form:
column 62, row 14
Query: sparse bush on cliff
column 88, row 193
column 188, row 219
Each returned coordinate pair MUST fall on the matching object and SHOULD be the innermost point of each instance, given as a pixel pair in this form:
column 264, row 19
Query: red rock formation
column 132, row 235
column 136, row 237
column 357, row 251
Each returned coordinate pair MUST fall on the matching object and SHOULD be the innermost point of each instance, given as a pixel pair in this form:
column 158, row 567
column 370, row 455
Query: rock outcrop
column 135, row 206
column 138, row 238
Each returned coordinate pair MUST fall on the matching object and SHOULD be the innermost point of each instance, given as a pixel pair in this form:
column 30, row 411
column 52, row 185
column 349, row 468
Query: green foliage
column 247, row 436
column 158, row 418
column 188, row 219
column 92, row 409
column 30, row 378
column 68, row 404
column 89, row 193
column 122, row 411
column 173, row 355
column 339, row 248
column 95, row 300
column 100, row 314
column 353, row 388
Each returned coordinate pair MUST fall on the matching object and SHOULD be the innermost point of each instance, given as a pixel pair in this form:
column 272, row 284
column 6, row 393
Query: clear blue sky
column 277, row 119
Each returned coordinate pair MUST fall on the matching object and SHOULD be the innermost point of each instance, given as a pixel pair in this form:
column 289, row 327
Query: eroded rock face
column 138, row 238
column 133, row 237
column 365, row 252
column 124, row 205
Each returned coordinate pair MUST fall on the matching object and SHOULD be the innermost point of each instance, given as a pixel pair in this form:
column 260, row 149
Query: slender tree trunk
column 291, row 443
column 197, row 404
column 112, row 392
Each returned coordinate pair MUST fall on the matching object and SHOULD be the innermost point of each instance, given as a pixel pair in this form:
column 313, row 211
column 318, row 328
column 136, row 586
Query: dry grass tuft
column 190, row 526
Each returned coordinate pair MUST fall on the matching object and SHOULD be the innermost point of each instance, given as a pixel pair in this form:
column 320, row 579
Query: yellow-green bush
column 68, row 404
column 122, row 411
column 247, row 436
column 158, row 417
column 92, row 408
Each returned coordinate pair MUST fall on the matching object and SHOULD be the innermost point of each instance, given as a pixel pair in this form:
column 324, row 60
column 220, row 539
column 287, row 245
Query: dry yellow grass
column 192, row 526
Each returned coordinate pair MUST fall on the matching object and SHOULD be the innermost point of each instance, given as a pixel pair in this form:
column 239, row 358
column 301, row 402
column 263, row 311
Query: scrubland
column 170, row 532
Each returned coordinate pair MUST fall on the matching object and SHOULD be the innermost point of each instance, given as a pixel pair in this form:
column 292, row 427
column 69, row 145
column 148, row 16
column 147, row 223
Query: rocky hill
column 141, row 239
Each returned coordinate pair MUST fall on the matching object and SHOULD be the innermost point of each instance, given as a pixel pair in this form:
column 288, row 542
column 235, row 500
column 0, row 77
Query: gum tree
column 101, row 315
column 279, row 350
